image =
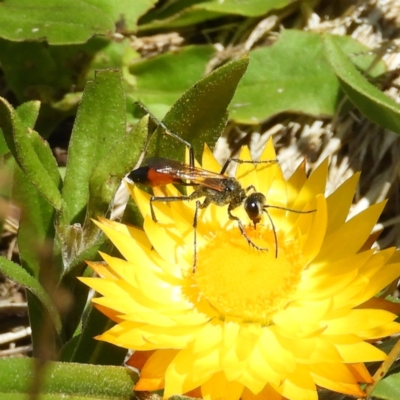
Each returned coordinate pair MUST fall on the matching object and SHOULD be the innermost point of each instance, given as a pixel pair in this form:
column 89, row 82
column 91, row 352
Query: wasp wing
column 179, row 172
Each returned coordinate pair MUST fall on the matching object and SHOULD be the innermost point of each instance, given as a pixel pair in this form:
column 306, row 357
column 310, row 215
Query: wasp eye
column 254, row 206
column 253, row 209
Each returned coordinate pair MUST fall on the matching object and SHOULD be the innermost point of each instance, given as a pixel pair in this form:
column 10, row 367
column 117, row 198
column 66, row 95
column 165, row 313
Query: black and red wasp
column 216, row 188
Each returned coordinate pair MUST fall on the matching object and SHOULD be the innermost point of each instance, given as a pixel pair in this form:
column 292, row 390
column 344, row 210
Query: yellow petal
column 360, row 352
column 153, row 372
column 339, row 203
column 299, row 385
column 315, row 185
column 217, row 387
column 349, row 238
column 336, row 377
column 268, row 393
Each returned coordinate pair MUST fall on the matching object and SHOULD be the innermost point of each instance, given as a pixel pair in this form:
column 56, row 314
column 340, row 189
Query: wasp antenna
column 289, row 209
column 240, row 161
column 265, row 209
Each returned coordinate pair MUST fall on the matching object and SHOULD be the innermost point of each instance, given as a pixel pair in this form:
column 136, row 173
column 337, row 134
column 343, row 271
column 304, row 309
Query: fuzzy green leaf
column 56, row 21
column 23, row 144
column 108, row 174
column 125, row 12
column 88, row 350
column 388, row 388
column 374, row 104
column 200, row 115
column 100, row 123
column 176, row 14
column 64, row 380
column 292, row 75
column 250, row 8
column 162, row 80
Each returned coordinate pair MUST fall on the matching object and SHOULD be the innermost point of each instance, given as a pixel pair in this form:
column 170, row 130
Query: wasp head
column 254, row 206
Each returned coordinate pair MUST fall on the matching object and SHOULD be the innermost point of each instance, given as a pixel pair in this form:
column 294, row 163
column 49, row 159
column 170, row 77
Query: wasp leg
column 167, row 200
column 243, row 232
column 198, row 205
column 251, row 187
column 169, row 132
column 193, row 196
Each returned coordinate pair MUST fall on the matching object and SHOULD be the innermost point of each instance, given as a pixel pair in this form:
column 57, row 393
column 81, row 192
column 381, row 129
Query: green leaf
column 36, row 229
column 162, row 80
column 17, row 274
column 28, row 113
column 113, row 55
column 35, row 244
column 388, row 388
column 56, row 21
column 374, row 104
column 200, row 115
column 76, row 266
column 45, row 155
column 125, row 12
column 89, row 350
column 34, row 70
column 7, row 165
column 69, row 380
column 108, row 174
column 3, row 145
column 290, row 76
column 29, row 70
column 250, row 8
column 176, row 14
column 99, row 124
column 20, row 142
column 46, row 339
column 132, row 215
column 360, row 55
column 189, row 12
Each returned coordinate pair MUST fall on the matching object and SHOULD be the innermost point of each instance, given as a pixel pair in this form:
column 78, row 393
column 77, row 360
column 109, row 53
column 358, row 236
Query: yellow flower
column 245, row 323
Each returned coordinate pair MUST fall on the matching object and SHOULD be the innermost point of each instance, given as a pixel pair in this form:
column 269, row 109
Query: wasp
column 216, row 188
